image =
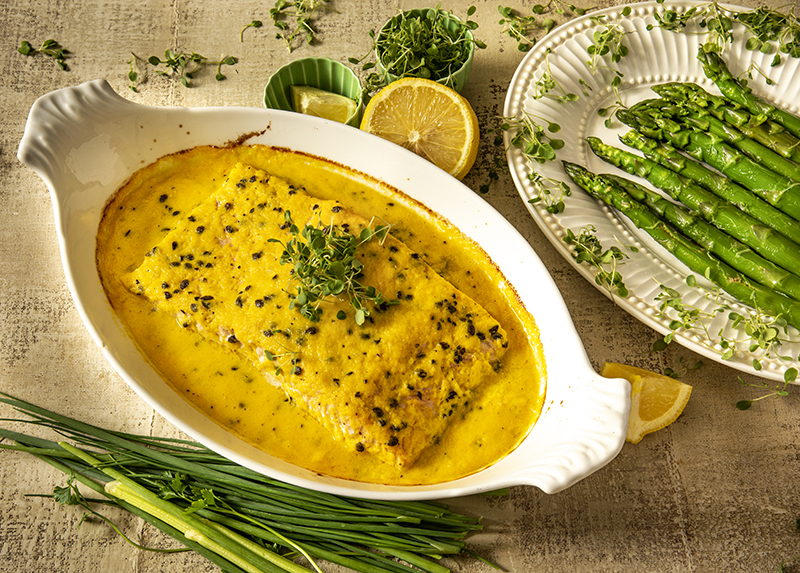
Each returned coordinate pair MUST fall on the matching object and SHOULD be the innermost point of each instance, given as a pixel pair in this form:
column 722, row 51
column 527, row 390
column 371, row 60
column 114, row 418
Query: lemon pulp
column 430, row 119
column 320, row 103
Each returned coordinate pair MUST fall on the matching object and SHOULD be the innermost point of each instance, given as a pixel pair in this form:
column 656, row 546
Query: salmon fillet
column 388, row 387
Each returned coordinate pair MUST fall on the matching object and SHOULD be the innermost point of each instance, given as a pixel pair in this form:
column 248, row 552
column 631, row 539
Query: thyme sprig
column 587, row 248
column 294, row 20
column 185, row 65
column 49, row 48
column 325, row 264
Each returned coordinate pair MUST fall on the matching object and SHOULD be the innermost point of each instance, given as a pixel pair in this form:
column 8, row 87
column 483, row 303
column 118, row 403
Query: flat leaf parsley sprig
column 325, row 264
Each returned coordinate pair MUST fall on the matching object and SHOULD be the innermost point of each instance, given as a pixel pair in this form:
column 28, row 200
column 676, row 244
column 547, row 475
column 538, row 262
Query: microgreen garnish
column 789, row 376
column 765, row 26
column 684, row 316
column 287, row 355
column 530, row 137
column 253, row 24
column 547, row 83
column 186, row 64
column 325, row 264
column 49, row 48
column 607, row 40
column 760, row 333
column 772, row 26
column 424, row 46
column 294, row 20
column 538, row 146
column 522, row 28
column 587, row 248
column 133, row 73
column 710, row 17
column 682, row 369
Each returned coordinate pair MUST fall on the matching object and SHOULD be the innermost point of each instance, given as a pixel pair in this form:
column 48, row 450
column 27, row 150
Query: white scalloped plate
column 655, row 56
column 86, row 141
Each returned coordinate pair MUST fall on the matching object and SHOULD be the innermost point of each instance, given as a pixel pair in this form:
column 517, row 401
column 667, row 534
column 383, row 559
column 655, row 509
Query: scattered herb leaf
column 186, row 64
column 49, row 48
column 253, row 24
column 294, row 20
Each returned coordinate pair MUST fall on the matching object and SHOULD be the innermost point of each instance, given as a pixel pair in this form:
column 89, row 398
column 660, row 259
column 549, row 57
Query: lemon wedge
column 321, row 103
column 656, row 400
column 428, row 118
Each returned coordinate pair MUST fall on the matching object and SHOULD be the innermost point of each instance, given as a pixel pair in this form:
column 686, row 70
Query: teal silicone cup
column 457, row 79
column 323, row 73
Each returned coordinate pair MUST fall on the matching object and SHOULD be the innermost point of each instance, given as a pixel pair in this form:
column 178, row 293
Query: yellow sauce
column 235, row 394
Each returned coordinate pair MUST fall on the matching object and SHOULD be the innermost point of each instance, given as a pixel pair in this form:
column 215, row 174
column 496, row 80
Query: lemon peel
column 656, row 400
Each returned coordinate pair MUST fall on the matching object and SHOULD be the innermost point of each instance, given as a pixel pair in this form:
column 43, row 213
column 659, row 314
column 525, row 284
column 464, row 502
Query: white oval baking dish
column 86, row 141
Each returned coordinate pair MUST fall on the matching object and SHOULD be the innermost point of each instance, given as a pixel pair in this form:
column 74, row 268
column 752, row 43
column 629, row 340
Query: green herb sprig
column 186, row 64
column 49, row 48
column 325, row 264
column 253, row 24
column 133, row 73
column 522, row 28
column 789, row 376
column 768, row 29
column 294, row 20
column 587, row 248
column 760, row 332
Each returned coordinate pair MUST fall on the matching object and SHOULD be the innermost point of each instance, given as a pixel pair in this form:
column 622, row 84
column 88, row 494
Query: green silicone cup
column 322, row 73
column 458, row 79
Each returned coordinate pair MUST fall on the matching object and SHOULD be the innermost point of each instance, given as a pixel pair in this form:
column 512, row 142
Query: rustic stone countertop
column 715, row 491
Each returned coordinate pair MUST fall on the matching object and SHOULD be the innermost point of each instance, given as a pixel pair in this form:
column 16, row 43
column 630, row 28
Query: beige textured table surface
column 715, row 491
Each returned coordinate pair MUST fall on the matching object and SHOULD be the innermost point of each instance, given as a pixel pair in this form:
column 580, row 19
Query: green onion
column 237, row 518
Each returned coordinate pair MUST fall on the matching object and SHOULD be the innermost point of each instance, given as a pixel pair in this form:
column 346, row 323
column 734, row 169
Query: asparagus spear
column 693, row 256
column 726, row 217
column 768, row 133
column 718, row 184
column 776, row 189
column 736, row 254
column 689, row 116
column 717, row 71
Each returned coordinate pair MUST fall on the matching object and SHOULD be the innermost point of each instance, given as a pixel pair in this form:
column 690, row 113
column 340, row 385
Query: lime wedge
column 321, row 103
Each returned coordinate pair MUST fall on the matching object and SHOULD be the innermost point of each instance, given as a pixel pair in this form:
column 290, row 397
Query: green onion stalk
column 237, row 518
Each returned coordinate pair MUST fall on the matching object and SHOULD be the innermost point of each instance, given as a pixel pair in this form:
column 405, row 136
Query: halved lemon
column 430, row 119
column 320, row 103
column 656, row 400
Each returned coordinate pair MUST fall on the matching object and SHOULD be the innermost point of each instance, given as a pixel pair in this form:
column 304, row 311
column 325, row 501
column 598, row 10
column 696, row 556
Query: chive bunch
column 236, row 517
